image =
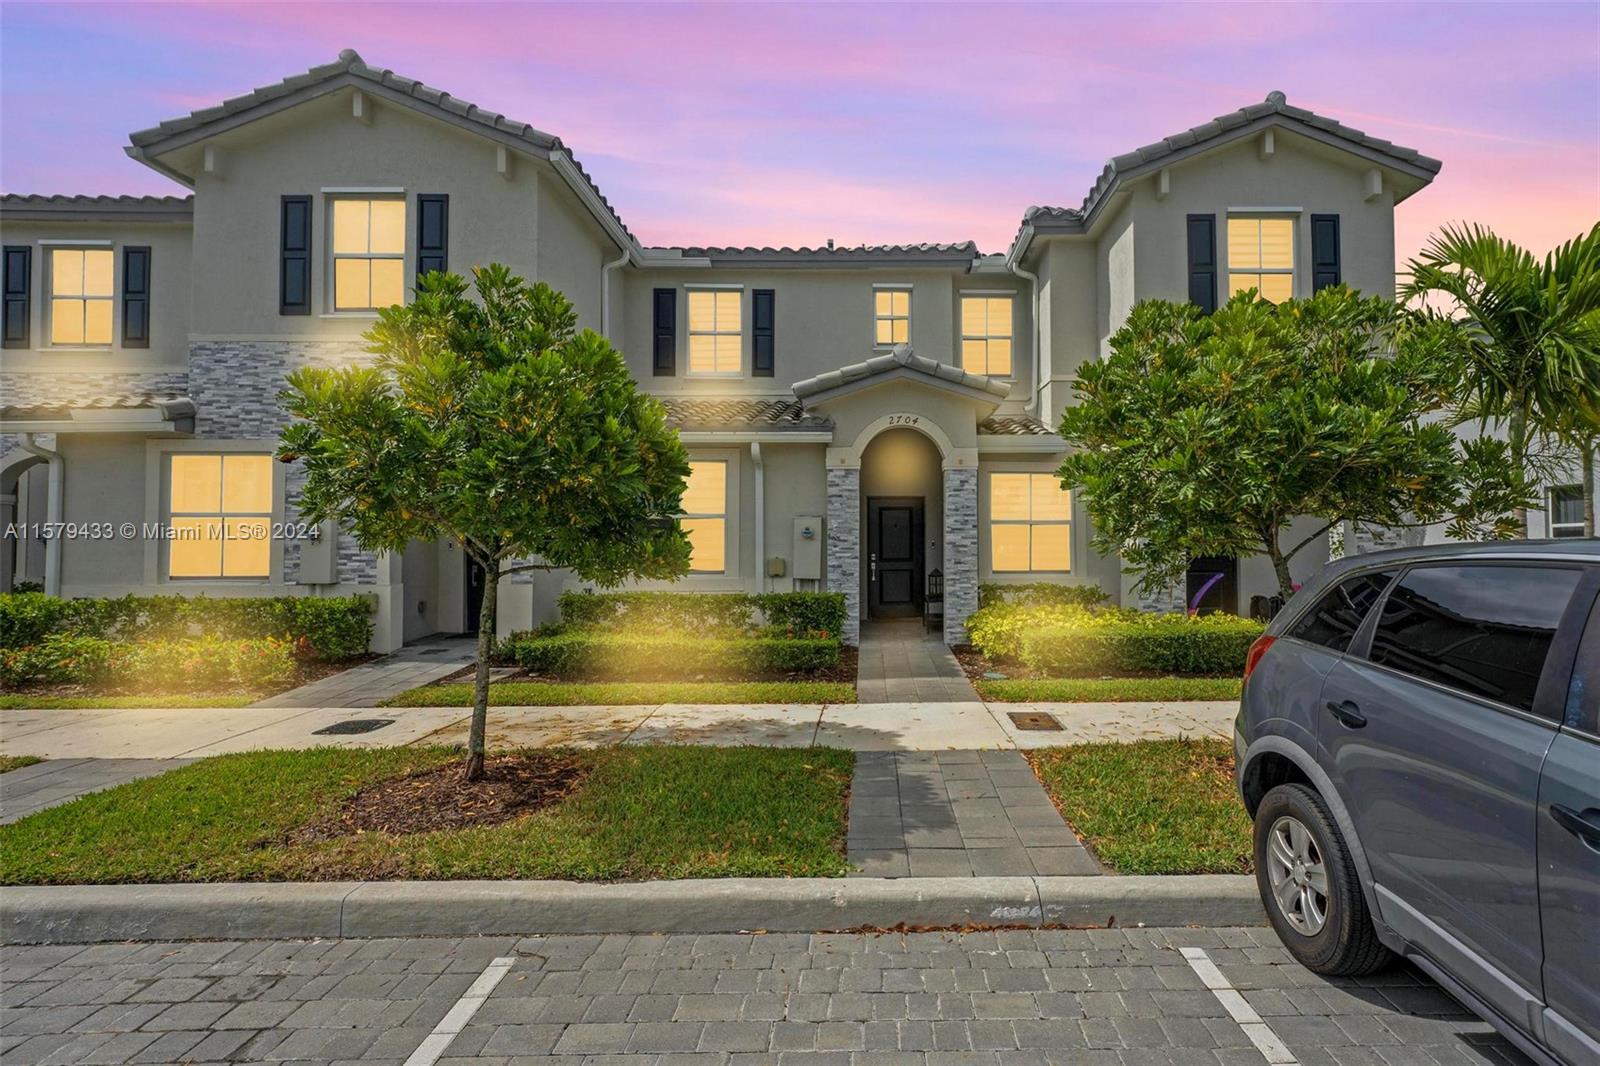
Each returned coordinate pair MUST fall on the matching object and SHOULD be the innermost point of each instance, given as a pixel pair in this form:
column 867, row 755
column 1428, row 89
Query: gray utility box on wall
column 807, row 552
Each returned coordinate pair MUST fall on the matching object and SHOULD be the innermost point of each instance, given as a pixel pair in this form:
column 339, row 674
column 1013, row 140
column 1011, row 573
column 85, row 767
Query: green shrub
column 700, row 612
column 58, row 658
column 1068, row 641
column 28, row 617
column 997, row 630
column 580, row 655
column 1042, row 594
column 803, row 612
column 203, row 664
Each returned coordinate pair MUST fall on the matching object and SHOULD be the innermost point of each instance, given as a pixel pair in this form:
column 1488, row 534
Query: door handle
column 1348, row 713
column 1580, row 824
column 872, row 567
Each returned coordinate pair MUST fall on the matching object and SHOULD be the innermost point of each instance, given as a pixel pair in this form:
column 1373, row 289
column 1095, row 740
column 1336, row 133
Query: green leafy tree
column 1530, row 350
column 497, row 424
column 1209, row 435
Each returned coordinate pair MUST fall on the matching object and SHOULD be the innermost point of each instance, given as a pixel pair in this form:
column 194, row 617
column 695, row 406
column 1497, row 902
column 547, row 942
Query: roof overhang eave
column 987, row 399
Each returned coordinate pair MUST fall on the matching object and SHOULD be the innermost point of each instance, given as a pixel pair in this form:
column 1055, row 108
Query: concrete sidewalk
column 57, row 781
column 371, row 683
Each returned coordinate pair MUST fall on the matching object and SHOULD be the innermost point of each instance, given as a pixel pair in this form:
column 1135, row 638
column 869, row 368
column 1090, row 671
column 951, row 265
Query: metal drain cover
column 359, row 725
column 1034, row 721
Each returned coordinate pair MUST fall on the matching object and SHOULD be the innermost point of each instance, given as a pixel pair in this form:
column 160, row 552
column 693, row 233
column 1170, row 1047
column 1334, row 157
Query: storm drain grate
column 1034, row 721
column 355, row 725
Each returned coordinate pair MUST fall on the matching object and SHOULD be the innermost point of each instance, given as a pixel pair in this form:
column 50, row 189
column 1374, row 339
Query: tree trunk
column 1517, row 437
column 1280, row 566
column 480, row 681
column 1587, row 453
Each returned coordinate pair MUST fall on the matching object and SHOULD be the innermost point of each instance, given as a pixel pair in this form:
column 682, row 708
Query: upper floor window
column 1030, row 524
column 1566, row 511
column 891, row 317
column 716, row 337
column 986, row 328
column 1261, row 256
column 369, row 248
column 705, row 516
column 81, row 290
column 220, row 507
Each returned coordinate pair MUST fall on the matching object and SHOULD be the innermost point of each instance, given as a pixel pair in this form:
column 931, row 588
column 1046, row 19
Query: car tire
column 1313, row 867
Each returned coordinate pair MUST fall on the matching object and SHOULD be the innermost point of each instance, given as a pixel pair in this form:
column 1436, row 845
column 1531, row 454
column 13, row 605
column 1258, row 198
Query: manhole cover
column 1035, row 721
column 359, row 725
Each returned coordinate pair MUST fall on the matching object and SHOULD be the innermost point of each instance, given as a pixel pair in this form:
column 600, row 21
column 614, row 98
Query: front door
column 894, row 557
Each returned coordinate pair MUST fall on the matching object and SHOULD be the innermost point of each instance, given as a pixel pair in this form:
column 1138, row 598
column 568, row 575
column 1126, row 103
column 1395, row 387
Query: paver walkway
column 1068, row 997
column 957, row 814
column 904, row 662
column 54, row 781
column 372, row 683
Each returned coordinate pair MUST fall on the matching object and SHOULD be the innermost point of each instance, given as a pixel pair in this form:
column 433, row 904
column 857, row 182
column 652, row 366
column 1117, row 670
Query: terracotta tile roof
column 169, row 406
column 1013, row 426
column 20, row 205
column 901, row 357
column 738, row 412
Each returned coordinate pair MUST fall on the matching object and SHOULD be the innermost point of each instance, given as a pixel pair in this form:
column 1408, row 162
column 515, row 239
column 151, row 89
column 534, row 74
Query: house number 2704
column 904, row 420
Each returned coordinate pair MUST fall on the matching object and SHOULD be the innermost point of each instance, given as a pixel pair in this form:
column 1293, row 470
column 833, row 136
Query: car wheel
column 1310, row 887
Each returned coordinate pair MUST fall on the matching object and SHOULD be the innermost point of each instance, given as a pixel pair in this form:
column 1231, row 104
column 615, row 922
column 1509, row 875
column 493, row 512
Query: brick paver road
column 1053, row 998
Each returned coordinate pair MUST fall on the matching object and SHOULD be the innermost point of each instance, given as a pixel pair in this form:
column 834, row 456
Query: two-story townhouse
column 872, row 420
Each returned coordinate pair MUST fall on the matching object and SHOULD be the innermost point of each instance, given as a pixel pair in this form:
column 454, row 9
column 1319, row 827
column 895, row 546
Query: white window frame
column 729, row 471
column 1070, row 522
column 876, row 318
column 47, row 249
column 332, row 196
column 690, row 332
column 1259, row 215
column 1561, row 529
column 961, row 325
column 157, row 509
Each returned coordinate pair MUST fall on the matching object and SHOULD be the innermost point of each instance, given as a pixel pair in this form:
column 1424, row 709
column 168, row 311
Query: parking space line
column 1259, row 1032
column 434, row 1044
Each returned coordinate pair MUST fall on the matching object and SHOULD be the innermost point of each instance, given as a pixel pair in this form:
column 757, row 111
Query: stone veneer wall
column 960, row 551
column 235, row 386
column 844, row 545
column 1378, row 538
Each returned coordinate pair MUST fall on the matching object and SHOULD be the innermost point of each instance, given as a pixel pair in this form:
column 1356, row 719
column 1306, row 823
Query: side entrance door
column 894, row 557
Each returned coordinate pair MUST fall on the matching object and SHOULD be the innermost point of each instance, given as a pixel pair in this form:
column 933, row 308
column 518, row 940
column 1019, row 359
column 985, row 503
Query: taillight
column 1257, row 650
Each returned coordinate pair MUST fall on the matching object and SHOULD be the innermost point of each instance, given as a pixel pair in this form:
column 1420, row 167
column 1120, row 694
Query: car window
column 1334, row 619
column 1481, row 629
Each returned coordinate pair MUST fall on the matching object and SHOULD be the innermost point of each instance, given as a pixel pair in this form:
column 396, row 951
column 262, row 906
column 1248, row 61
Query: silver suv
column 1418, row 745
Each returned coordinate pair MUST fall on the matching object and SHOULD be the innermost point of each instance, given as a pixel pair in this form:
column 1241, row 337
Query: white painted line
column 1258, row 1031
column 435, row 1043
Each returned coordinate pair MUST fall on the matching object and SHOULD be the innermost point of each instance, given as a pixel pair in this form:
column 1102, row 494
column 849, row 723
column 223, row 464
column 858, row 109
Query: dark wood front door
column 894, row 557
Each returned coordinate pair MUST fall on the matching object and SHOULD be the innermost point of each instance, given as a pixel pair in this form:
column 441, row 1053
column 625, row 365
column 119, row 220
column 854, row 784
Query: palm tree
column 1530, row 331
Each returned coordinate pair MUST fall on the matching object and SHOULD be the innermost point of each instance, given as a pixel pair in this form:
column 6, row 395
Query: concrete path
column 905, row 662
column 372, row 683
column 957, row 814
column 55, row 781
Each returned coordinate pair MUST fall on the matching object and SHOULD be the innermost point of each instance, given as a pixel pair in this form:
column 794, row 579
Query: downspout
column 761, row 516
column 53, row 512
column 605, row 292
column 1015, row 266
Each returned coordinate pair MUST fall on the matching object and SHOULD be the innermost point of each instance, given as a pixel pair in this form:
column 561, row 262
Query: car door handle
column 1580, row 824
column 1347, row 713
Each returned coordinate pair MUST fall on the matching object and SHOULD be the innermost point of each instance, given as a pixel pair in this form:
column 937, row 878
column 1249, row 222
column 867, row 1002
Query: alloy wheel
column 1298, row 876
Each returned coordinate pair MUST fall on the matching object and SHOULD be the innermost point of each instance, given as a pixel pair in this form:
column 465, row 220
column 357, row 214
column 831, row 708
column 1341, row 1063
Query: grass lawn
column 648, row 812
column 107, row 703
column 1152, row 807
column 1109, row 689
column 17, row 762
column 610, row 693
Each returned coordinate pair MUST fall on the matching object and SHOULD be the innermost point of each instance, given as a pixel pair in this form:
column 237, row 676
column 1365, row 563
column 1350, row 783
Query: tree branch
column 1290, row 554
column 520, row 567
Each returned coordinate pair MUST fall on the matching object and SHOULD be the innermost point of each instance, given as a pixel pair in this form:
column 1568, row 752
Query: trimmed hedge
column 721, row 612
column 1068, row 641
column 1041, row 594
column 203, row 664
column 331, row 628
column 581, row 655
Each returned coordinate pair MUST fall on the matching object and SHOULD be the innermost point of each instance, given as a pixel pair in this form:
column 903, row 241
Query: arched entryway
column 902, row 505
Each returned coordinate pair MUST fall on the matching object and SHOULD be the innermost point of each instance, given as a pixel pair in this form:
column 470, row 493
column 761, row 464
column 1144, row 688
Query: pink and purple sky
column 789, row 124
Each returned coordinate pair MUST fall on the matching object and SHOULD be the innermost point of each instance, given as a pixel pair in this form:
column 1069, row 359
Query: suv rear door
column 1432, row 733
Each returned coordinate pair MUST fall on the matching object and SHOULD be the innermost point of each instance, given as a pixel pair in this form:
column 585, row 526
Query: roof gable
column 900, row 364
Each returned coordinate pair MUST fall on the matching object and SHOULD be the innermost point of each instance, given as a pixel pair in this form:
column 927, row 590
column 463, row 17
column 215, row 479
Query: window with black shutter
column 1202, row 231
column 18, row 308
column 666, row 332
column 762, row 347
column 433, row 233
column 1324, row 252
column 294, row 274
column 136, row 297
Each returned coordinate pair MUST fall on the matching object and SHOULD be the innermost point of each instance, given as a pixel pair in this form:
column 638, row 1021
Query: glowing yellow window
column 369, row 248
column 81, row 293
column 705, row 516
column 1261, row 257
column 1030, row 524
column 986, row 328
column 221, row 507
column 891, row 317
column 716, row 338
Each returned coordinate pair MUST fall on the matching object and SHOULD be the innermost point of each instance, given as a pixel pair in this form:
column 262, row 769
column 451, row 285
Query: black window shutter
column 433, row 233
column 294, row 273
column 1324, row 252
column 762, row 349
column 136, row 297
column 18, row 317
column 666, row 332
column 1203, row 262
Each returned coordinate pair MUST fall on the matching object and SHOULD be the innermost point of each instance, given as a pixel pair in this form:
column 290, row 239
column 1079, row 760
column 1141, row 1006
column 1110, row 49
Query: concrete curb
column 76, row 914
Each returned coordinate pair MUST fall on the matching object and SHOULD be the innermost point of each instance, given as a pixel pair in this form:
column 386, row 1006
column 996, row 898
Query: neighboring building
column 857, row 417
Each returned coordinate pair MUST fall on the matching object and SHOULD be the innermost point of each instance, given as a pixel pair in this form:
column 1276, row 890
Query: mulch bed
column 975, row 665
column 512, row 786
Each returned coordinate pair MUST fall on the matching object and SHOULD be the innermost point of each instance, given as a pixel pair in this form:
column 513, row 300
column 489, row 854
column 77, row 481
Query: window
column 80, row 296
column 705, row 516
column 1484, row 630
column 1261, row 257
column 369, row 247
column 716, row 339
column 1336, row 617
column 1566, row 511
column 1030, row 524
column 986, row 335
column 221, row 515
column 891, row 317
